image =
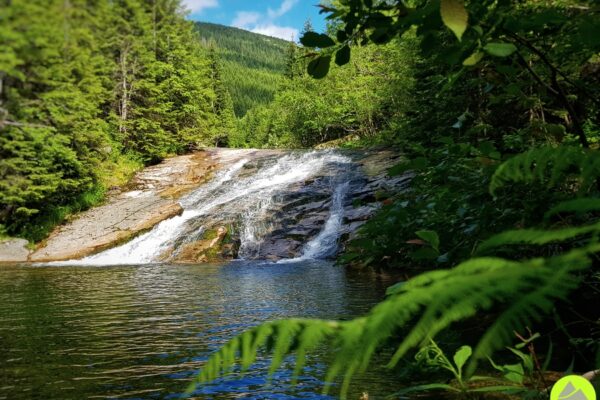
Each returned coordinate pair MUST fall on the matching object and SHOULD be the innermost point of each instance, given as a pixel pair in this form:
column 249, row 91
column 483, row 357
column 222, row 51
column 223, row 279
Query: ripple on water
column 143, row 332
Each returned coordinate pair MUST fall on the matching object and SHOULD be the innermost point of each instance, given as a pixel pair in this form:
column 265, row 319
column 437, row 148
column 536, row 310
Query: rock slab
column 150, row 198
column 14, row 250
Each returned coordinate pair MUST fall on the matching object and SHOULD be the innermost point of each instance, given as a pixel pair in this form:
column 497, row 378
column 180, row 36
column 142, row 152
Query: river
column 143, row 332
column 122, row 325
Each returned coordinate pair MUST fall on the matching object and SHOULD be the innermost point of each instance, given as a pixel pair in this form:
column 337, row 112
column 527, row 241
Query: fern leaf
column 308, row 339
column 576, row 206
column 536, row 237
column 430, row 302
column 559, row 280
column 549, row 166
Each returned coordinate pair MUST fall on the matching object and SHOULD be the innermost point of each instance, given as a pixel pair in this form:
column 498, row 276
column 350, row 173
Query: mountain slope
column 253, row 64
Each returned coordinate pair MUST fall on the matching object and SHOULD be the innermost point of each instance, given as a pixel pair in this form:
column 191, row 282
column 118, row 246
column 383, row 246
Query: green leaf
column 341, row 36
column 419, row 163
column 455, row 16
column 394, row 288
column 461, row 356
column 314, row 39
column 576, row 206
column 537, row 237
column 526, row 359
column 514, row 373
column 500, row 49
column 425, row 388
column 342, row 57
column 473, row 59
column 430, row 237
column 319, row 67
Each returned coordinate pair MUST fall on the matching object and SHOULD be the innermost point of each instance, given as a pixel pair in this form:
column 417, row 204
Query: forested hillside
column 88, row 93
column 362, row 101
column 253, row 64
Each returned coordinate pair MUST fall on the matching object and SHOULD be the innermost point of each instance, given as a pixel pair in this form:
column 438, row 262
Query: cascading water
column 325, row 244
column 245, row 192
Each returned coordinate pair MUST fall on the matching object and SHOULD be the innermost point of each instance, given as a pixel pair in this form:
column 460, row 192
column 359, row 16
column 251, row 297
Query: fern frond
column 559, row 279
column 549, row 166
column 429, row 303
column 536, row 237
column 244, row 348
column 575, row 206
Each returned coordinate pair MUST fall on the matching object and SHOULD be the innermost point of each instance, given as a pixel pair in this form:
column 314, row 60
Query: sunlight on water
column 143, row 332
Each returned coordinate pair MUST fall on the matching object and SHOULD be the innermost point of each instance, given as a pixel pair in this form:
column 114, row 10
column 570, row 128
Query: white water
column 325, row 244
column 247, row 196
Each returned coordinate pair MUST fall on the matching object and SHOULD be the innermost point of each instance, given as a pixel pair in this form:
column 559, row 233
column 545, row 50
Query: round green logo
column 573, row 387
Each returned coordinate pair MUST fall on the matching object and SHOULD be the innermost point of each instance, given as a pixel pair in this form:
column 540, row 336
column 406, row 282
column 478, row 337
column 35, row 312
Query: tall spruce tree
column 83, row 84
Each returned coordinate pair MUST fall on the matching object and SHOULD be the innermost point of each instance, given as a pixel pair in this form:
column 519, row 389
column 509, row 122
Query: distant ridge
column 253, row 64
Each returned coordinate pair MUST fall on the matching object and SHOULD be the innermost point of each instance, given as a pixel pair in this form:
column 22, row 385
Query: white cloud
column 282, row 32
column 283, row 9
column 197, row 6
column 265, row 23
column 245, row 19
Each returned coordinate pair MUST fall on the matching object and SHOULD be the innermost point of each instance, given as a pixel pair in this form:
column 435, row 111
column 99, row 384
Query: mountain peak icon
column 570, row 392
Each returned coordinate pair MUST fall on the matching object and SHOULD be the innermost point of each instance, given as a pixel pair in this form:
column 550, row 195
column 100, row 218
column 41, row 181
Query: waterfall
column 245, row 192
column 325, row 243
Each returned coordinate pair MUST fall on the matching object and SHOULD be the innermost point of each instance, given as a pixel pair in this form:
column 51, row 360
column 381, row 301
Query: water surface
column 143, row 332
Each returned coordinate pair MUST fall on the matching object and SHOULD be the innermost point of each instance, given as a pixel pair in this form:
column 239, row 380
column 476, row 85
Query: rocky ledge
column 151, row 197
column 14, row 250
column 296, row 215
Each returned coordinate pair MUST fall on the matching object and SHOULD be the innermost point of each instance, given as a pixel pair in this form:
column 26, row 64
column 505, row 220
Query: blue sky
column 279, row 18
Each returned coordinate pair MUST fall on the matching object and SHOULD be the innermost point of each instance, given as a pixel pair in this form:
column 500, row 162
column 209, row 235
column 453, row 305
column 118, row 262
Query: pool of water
column 143, row 332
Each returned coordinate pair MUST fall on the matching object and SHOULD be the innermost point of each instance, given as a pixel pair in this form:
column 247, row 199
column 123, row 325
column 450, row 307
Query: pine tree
column 85, row 83
column 222, row 105
column 291, row 61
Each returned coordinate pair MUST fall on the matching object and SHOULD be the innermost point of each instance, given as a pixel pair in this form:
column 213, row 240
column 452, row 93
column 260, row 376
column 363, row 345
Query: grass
column 119, row 172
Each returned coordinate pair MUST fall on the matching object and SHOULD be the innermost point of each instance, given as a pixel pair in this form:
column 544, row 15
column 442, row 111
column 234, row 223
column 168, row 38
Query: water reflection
column 142, row 332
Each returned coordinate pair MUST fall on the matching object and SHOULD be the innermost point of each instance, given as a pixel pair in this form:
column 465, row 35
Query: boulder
column 211, row 248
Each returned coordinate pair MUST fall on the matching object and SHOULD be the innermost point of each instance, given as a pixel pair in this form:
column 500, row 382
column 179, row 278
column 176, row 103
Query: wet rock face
column 213, row 247
column 300, row 213
column 14, row 250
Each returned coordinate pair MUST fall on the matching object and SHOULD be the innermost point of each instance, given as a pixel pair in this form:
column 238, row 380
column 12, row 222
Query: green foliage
column 537, row 236
column 549, row 166
column 253, row 65
column 314, row 39
column 519, row 80
column 87, row 89
column 455, row 16
column 512, row 382
column 577, row 206
column 356, row 100
column 500, row 49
